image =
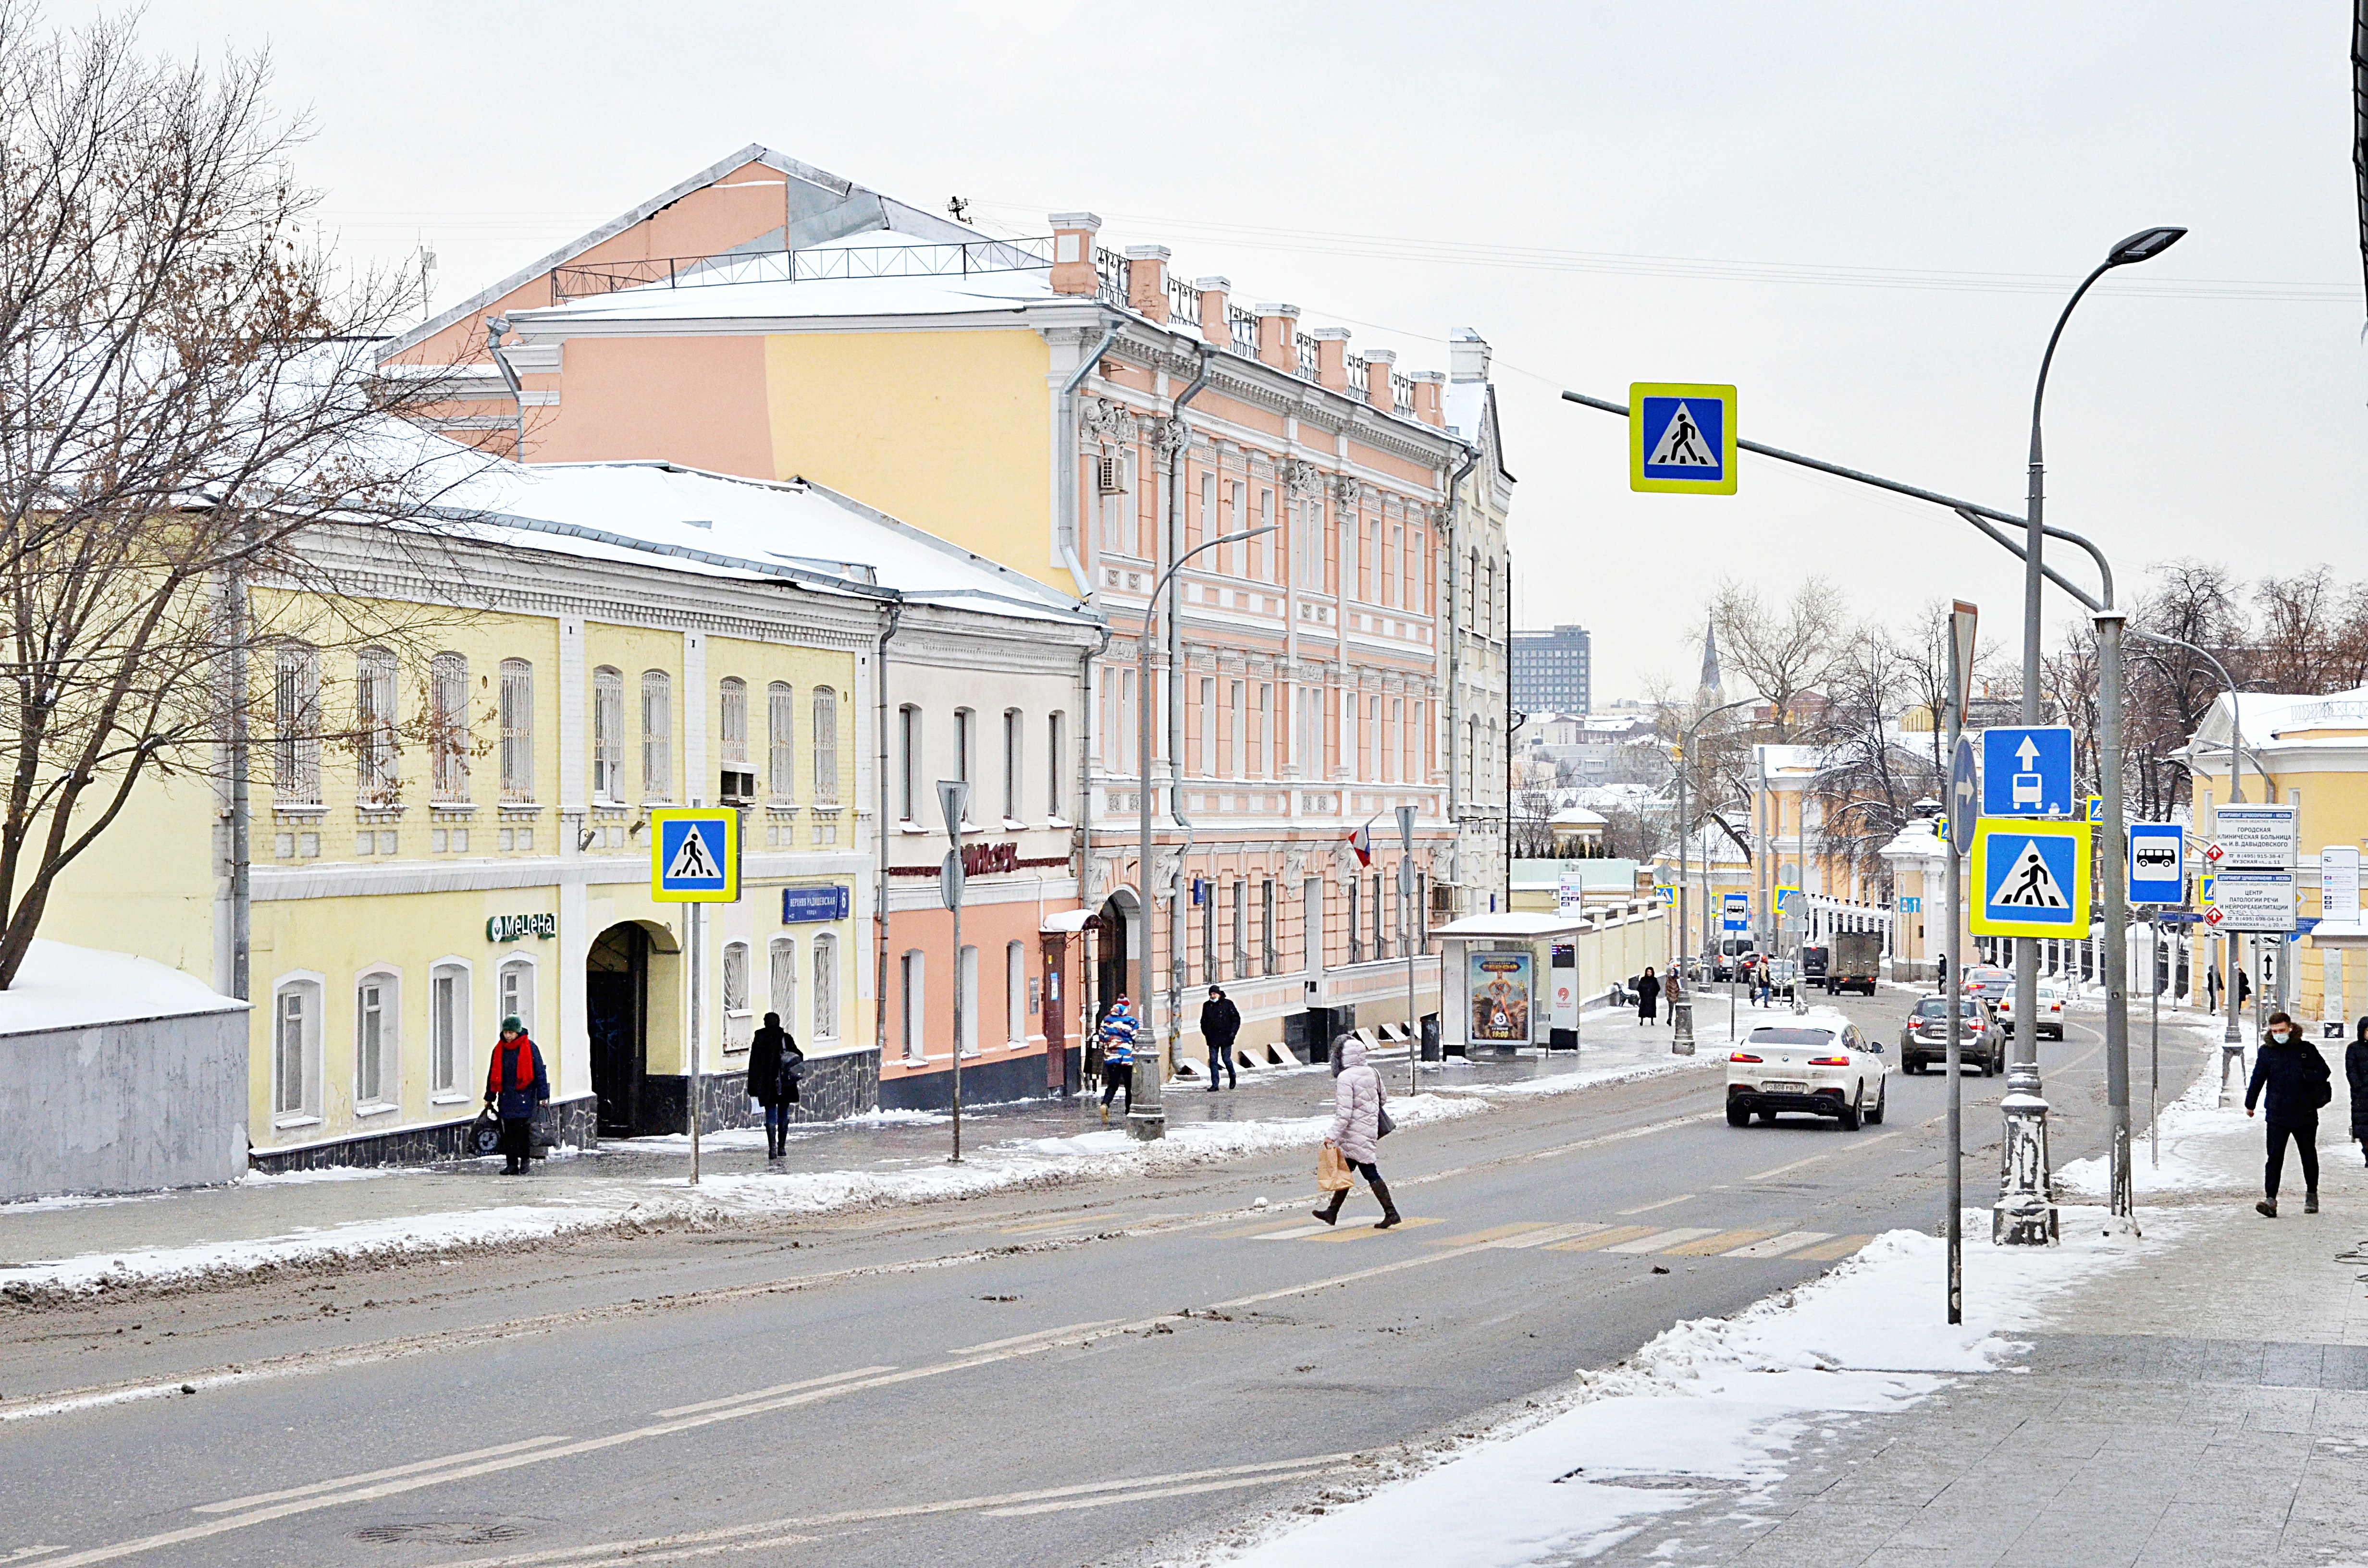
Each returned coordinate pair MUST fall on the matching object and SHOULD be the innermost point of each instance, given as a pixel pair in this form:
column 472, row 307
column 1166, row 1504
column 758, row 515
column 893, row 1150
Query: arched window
column 518, row 731
column 378, row 1018
column 608, row 735
column 448, row 1028
column 782, row 981
column 657, row 735
column 448, row 725
column 515, row 987
column 826, row 987
column 781, row 746
column 826, row 745
column 295, row 1048
column 737, row 1022
column 296, row 724
column 375, row 722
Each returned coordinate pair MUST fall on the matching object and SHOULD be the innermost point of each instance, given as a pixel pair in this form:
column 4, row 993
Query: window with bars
column 608, row 735
column 825, row 702
column 296, row 725
column 738, row 1023
column 826, row 987
column 1267, row 952
column 375, row 714
column 780, row 744
column 517, row 731
column 657, row 735
column 448, row 726
column 731, row 720
column 1056, row 765
column 782, row 980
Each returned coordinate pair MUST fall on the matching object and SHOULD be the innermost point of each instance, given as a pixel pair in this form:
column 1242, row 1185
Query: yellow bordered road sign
column 2029, row 877
column 695, row 855
column 1681, row 437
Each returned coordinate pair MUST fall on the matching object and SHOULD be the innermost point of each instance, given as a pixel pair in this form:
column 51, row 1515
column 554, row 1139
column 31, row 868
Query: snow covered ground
column 1712, row 1400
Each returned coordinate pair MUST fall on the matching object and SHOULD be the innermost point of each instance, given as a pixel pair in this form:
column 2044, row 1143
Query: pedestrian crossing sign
column 695, row 855
column 1681, row 437
column 2031, row 877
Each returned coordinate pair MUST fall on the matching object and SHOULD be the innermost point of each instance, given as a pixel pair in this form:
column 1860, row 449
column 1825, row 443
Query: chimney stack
column 1332, row 357
column 1276, row 337
column 1146, row 281
column 1467, row 355
column 1427, row 406
column 1214, row 294
column 1379, row 363
column 1073, row 252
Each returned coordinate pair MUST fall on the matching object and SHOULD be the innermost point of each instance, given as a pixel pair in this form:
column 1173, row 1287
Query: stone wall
column 124, row 1106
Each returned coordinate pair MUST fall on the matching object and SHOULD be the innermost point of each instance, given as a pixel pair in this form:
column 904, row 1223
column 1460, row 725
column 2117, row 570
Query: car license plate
column 1779, row 1087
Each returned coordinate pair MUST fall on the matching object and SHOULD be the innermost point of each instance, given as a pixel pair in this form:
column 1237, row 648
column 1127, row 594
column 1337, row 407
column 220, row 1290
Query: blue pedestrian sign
column 1736, row 916
column 2028, row 772
column 2030, row 878
column 2158, row 863
column 1681, row 437
column 695, row 855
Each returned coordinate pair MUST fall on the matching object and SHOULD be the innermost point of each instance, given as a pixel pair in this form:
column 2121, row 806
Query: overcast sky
column 1865, row 215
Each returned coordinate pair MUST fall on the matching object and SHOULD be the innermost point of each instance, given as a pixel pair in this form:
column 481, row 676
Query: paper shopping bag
column 1331, row 1170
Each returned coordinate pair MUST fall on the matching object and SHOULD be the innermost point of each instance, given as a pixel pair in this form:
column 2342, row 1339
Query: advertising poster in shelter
column 1500, row 990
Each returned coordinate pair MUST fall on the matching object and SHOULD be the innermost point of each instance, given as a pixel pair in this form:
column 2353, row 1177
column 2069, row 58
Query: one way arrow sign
column 2027, row 772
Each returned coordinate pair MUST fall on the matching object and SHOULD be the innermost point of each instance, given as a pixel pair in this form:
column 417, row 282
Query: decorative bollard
column 2025, row 1213
column 1681, row 1021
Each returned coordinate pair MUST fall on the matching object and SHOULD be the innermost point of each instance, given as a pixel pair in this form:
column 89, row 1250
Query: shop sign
column 511, row 927
column 984, row 860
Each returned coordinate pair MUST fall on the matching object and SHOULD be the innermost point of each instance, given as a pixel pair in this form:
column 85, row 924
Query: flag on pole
column 1362, row 841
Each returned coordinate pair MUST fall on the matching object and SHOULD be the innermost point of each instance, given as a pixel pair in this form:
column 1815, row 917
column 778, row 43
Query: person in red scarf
column 518, row 1082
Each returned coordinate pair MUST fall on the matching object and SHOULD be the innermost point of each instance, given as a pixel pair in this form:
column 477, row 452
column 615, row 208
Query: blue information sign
column 800, row 905
column 1737, row 914
column 2158, row 863
column 2028, row 772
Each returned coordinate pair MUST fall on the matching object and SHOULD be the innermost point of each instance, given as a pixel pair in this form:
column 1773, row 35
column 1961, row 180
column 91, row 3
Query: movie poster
column 1499, row 986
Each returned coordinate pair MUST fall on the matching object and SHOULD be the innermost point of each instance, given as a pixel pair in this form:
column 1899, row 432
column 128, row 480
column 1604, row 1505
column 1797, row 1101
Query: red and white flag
column 1362, row 841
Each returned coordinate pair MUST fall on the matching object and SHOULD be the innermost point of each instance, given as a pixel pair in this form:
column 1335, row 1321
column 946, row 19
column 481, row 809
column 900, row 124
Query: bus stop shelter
column 1508, row 981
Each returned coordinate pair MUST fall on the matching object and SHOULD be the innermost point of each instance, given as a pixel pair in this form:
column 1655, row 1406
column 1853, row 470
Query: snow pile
column 61, row 987
column 2207, row 1146
column 1710, row 1399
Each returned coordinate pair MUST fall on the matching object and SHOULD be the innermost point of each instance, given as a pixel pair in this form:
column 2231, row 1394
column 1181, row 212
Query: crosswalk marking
column 1294, row 1232
column 1549, row 1234
column 1712, row 1245
column 1662, row 1239
column 1777, row 1247
column 1357, row 1231
column 1840, row 1247
column 1602, row 1238
column 1494, row 1232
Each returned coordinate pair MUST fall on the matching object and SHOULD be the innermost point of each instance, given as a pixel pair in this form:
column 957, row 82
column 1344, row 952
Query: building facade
column 1554, row 671
column 1479, row 616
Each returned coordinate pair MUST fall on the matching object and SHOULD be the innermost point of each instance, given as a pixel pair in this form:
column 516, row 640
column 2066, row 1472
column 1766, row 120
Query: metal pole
column 954, row 803
column 958, row 1022
column 694, row 923
column 2115, row 964
column 1406, row 940
column 1950, row 991
column 1681, row 1007
column 2155, row 981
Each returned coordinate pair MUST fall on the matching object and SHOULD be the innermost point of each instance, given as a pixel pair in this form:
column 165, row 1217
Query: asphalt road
column 1030, row 1378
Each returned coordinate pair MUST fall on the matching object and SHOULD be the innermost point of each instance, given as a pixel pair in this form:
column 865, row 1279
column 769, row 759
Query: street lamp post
column 1145, row 1117
column 1681, row 1012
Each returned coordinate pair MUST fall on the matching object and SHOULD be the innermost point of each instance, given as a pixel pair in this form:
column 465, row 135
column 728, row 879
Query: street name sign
column 2030, row 878
column 2253, row 901
column 695, row 855
column 2027, row 772
column 1681, row 437
column 2158, row 863
column 2257, row 837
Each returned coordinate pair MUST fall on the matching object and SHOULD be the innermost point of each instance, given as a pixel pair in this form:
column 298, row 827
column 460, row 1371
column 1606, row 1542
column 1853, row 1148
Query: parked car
column 1924, row 1038
column 1989, row 982
column 2052, row 997
column 1819, row 1062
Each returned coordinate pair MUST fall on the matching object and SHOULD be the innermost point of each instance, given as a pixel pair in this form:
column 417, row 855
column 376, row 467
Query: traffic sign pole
column 953, row 799
column 695, row 861
column 2115, row 843
column 1961, row 800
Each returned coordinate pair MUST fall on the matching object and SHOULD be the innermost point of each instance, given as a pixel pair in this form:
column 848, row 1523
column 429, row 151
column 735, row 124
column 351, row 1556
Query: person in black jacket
column 2295, row 1076
column 775, row 1064
column 1649, row 996
column 1220, row 1022
column 2356, row 1075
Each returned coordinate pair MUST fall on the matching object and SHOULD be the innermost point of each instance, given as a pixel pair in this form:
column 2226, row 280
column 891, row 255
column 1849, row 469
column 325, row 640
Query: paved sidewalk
column 2206, row 1404
column 885, row 1158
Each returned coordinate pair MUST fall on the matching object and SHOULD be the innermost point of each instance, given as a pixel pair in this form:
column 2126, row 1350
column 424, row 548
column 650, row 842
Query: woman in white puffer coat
column 1357, row 1127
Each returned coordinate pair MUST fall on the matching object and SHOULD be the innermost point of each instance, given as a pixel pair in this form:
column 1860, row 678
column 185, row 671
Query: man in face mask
column 2297, row 1082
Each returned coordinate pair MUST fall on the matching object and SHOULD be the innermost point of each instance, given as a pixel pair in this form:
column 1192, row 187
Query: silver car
column 1924, row 1038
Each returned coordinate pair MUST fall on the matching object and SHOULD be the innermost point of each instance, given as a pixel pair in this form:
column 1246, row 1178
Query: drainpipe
column 495, row 327
column 1175, row 685
column 879, row 781
column 1455, row 666
column 1065, row 431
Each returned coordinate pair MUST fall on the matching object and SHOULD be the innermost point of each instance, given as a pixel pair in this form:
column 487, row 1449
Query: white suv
column 1819, row 1064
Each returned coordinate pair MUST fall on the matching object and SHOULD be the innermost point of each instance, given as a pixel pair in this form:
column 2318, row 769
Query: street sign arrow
column 2027, row 753
column 2214, row 854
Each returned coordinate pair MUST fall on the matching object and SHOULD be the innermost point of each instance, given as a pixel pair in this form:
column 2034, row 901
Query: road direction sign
column 695, row 855
column 2257, row 837
column 1964, row 793
column 1910, row 904
column 2027, row 772
column 2158, row 863
column 1736, row 914
column 2030, row 878
column 1681, row 437
column 2253, row 901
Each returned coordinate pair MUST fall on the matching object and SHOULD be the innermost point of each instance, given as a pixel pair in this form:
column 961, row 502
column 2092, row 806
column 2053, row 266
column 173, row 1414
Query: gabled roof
column 1471, row 409
column 817, row 206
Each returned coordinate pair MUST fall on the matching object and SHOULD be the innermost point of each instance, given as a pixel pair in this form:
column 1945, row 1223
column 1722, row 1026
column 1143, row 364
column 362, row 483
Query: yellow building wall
column 2334, row 810
column 950, row 431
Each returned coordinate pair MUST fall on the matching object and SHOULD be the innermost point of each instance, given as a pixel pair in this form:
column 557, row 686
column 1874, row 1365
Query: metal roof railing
column 590, row 280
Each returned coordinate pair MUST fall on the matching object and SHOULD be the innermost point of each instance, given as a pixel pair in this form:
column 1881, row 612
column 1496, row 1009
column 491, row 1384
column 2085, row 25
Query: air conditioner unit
column 1109, row 476
column 738, row 786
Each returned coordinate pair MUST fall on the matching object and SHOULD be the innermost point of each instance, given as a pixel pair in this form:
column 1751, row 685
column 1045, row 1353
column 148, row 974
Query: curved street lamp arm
column 2039, row 393
column 1210, row 544
column 2104, row 571
column 2237, row 746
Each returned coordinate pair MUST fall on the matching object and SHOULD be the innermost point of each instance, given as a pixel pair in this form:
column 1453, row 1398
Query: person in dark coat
column 2295, row 1077
column 1649, row 997
column 2355, row 1075
column 1220, row 1022
column 515, row 1085
column 775, row 1065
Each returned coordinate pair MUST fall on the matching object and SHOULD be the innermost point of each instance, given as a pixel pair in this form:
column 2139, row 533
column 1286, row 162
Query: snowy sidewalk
column 2197, row 1396
column 889, row 1158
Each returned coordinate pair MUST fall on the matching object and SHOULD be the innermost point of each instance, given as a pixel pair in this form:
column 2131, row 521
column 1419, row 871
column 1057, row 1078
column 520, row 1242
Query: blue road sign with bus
column 1736, row 913
column 2027, row 772
column 2158, row 863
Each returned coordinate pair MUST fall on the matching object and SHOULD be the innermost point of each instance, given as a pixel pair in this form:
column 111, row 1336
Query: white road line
column 1660, row 1239
column 1665, row 1203
column 234, row 1504
column 1274, row 1479
column 1544, row 1234
column 1626, row 1133
column 1292, row 1234
column 757, row 1393
column 1043, row 1334
column 1780, row 1170
column 1777, row 1247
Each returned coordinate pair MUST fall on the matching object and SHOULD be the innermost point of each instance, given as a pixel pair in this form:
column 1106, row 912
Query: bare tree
column 1783, row 653
column 2289, row 649
column 186, row 389
column 1867, row 783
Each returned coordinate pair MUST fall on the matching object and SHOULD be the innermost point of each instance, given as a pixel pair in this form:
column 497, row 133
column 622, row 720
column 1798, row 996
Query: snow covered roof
column 2269, row 718
column 1512, row 925
column 1577, row 816
column 61, row 987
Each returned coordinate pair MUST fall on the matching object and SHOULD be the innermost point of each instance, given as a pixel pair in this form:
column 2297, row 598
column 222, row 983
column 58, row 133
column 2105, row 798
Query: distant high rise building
column 1554, row 671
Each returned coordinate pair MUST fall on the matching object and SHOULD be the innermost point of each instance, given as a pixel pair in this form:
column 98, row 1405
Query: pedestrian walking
column 1118, row 1028
column 515, row 1085
column 1358, row 1122
column 1649, row 997
column 2355, row 1077
column 1763, row 988
column 2297, row 1082
column 1220, row 1022
column 1673, row 991
column 775, row 1065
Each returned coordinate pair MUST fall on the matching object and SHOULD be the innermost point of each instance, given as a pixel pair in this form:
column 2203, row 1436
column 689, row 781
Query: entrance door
column 615, row 998
column 1052, row 1014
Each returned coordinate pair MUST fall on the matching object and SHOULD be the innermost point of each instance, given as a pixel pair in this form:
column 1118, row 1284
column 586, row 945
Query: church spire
column 1710, row 682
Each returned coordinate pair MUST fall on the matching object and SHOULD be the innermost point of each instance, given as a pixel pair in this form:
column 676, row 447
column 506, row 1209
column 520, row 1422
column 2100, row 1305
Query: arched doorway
column 626, row 979
column 1117, row 951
